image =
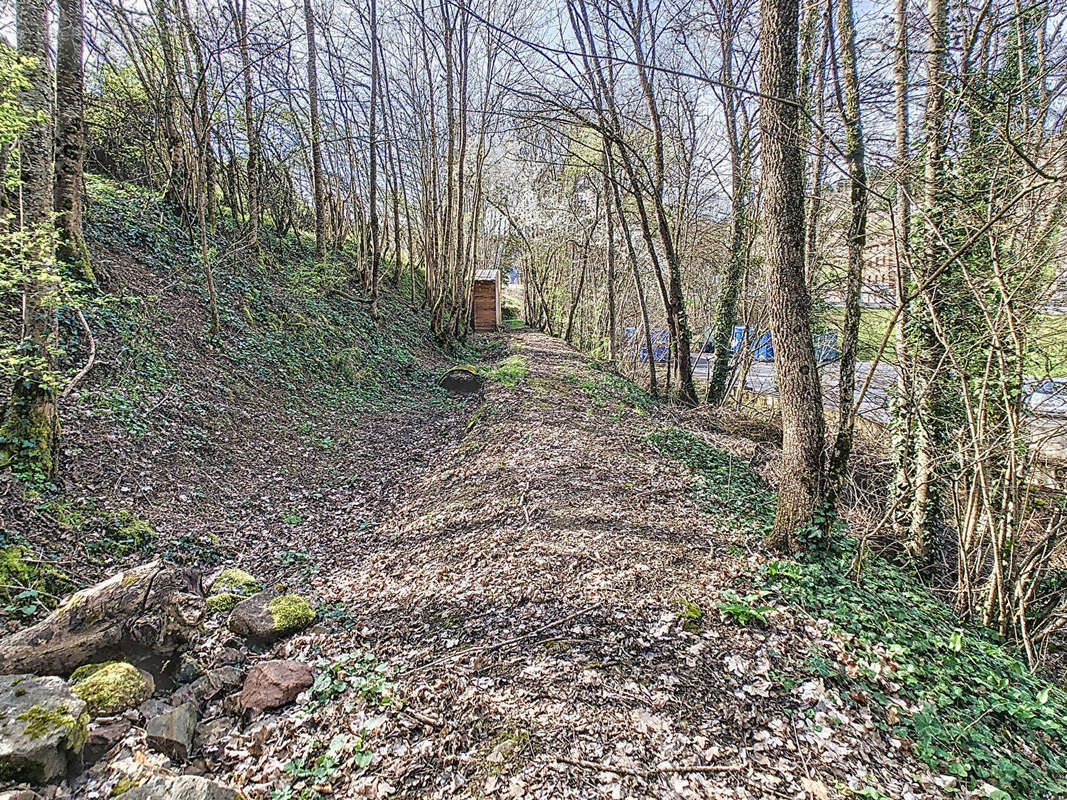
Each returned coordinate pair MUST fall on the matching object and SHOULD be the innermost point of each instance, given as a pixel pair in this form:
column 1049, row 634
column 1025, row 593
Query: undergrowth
column 288, row 321
column 964, row 700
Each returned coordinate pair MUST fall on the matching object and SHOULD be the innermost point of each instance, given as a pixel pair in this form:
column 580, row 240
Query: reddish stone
column 272, row 684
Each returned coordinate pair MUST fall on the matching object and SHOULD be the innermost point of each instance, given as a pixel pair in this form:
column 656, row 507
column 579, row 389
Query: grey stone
column 43, row 727
column 153, row 707
column 172, row 733
column 270, row 615
column 188, row 670
column 183, row 787
column 208, row 687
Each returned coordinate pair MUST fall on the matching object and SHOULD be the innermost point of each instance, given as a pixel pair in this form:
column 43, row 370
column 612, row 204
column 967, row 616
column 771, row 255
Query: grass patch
column 509, row 372
column 964, row 700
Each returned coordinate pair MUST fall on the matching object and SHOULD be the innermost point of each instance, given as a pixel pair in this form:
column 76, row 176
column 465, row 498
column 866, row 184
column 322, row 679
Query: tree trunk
column 801, row 489
column 857, row 239
column 931, row 428
column 251, row 133
column 30, row 431
column 316, row 135
column 70, row 142
column 147, row 610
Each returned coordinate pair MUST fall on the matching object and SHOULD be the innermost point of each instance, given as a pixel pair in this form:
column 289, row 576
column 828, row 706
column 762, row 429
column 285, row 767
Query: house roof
column 487, row 275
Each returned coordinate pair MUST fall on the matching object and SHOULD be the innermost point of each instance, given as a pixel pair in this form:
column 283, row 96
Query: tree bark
column 801, row 489
column 316, row 135
column 30, row 431
column 857, row 239
column 147, row 610
column 70, row 142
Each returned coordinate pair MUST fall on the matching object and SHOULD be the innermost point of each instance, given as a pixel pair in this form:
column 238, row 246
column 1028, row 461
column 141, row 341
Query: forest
column 557, row 399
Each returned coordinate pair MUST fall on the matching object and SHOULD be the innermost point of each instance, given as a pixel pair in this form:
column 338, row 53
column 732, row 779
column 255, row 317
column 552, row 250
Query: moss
column 123, row 533
column 30, row 430
column 122, row 785
column 237, row 581
column 21, row 571
column 290, row 612
column 41, row 721
column 222, row 602
column 112, row 687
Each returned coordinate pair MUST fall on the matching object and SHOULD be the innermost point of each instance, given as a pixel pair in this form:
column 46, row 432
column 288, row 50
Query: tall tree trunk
column 903, row 423
column 372, row 125
column 730, row 289
column 70, row 142
column 251, row 132
column 316, row 135
column 801, row 490
column 931, row 426
column 30, row 430
column 857, row 239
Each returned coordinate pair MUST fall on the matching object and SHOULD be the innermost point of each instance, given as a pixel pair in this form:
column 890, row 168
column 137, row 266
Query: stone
column 20, row 794
column 43, row 728
column 462, row 379
column 172, row 733
column 153, row 707
column 188, row 669
column 270, row 615
column 183, row 787
column 236, row 581
column 103, row 737
column 207, row 688
column 230, row 655
column 272, row 684
column 111, row 687
column 211, row 735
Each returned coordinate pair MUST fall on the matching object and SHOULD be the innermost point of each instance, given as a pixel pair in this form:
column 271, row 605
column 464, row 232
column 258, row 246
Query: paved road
column 1049, row 431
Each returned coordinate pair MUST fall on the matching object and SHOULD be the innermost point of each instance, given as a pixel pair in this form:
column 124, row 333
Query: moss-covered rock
column 290, row 612
column 235, row 581
column 222, row 602
column 43, row 727
column 270, row 615
column 111, row 687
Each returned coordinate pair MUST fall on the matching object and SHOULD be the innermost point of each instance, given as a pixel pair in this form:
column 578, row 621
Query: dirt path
column 521, row 619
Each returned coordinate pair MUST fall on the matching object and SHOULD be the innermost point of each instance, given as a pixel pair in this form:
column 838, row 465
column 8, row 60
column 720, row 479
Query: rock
column 103, row 737
column 172, row 733
column 272, row 684
column 268, row 615
column 183, row 787
column 111, row 687
column 151, row 609
column 226, row 601
column 461, row 379
column 211, row 735
column 153, row 708
column 43, row 728
column 20, row 794
column 231, row 655
column 188, row 670
column 236, row 581
column 208, row 687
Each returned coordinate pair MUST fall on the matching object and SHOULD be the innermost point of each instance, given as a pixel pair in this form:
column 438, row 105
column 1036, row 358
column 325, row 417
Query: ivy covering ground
column 964, row 701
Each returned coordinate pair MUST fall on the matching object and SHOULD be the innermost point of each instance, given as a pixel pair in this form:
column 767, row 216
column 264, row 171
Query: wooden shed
column 486, row 316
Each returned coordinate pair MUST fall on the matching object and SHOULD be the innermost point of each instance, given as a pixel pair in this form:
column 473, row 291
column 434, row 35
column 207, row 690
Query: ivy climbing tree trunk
column 848, row 86
column 70, row 141
column 30, row 429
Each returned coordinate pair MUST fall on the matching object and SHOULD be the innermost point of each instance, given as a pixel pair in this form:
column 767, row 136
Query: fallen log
column 147, row 611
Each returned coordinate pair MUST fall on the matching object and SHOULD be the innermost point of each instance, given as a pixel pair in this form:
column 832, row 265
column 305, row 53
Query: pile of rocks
column 65, row 709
